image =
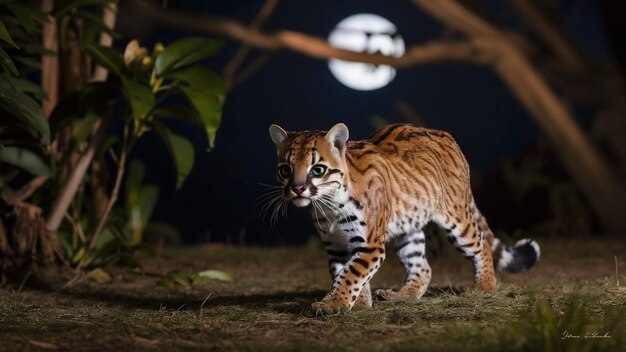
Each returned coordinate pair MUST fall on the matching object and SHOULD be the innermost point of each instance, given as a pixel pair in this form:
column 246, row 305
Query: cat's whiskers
column 265, row 201
column 342, row 213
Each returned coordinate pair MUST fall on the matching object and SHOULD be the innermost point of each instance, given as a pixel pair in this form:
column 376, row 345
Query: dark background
column 218, row 201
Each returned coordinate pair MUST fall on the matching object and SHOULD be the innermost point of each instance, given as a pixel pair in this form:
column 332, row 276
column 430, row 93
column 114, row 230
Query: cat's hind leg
column 411, row 250
column 464, row 232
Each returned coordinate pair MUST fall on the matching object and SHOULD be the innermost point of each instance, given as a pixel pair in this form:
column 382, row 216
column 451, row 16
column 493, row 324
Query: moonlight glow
column 365, row 33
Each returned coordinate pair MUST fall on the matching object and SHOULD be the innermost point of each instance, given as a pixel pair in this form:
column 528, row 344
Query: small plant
column 146, row 80
column 64, row 157
column 574, row 330
column 176, row 277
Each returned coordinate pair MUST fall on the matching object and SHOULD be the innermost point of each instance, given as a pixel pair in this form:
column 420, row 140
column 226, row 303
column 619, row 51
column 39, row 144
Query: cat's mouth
column 301, row 202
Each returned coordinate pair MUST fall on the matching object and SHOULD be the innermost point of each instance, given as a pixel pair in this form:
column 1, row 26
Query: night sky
column 218, row 200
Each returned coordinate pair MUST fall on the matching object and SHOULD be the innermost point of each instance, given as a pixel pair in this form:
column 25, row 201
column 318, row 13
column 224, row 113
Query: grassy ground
column 572, row 291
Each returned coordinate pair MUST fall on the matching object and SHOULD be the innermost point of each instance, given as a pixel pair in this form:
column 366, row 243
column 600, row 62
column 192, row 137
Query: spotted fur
column 382, row 191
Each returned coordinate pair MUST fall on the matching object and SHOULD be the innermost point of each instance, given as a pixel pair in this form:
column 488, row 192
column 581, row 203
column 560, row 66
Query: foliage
column 40, row 155
column 25, row 134
column 176, row 277
column 575, row 330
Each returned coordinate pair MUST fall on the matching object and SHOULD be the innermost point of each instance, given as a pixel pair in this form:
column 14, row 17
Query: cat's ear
column 278, row 134
column 338, row 136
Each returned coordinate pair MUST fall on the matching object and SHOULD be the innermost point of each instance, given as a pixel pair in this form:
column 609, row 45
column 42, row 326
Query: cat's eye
column 284, row 171
column 318, row 170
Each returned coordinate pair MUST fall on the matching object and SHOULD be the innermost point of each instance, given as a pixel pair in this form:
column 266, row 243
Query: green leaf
column 134, row 175
column 148, row 196
column 139, row 96
column 24, row 159
column 29, row 62
column 180, row 149
column 82, row 127
column 158, row 230
column 4, row 35
column 23, row 14
column 107, row 57
column 38, row 49
column 200, row 78
column 140, row 201
column 179, row 278
column 26, row 86
column 108, row 143
column 165, row 282
column 205, row 91
column 179, row 112
column 105, row 237
column 23, row 108
column 202, row 276
column 7, row 63
column 80, row 253
column 185, row 52
column 210, row 109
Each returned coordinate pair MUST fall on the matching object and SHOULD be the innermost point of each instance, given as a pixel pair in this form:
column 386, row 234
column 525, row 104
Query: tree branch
column 75, row 178
column 257, row 63
column 585, row 165
column 241, row 53
column 26, row 191
column 553, row 37
column 309, row 45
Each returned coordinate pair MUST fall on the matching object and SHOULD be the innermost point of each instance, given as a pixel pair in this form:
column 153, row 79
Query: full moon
column 365, row 33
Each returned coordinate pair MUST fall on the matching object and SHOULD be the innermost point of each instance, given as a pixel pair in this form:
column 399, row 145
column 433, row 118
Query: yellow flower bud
column 134, row 53
column 158, row 48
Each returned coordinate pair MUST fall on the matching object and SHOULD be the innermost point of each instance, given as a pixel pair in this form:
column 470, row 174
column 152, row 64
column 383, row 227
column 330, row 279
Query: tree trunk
column 50, row 63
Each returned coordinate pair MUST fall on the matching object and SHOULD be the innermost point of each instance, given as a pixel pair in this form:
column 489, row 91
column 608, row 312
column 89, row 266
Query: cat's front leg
column 347, row 286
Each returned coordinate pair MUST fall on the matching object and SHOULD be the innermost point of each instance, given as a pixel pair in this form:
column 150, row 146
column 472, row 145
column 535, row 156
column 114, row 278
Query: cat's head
column 311, row 165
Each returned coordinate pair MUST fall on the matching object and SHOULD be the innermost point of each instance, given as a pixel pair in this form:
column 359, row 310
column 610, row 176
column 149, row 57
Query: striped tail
column 516, row 259
column 511, row 259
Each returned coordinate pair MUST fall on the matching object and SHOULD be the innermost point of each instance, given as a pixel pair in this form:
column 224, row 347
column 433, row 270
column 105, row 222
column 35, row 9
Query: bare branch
column 254, row 66
column 26, row 191
column 75, row 178
column 456, row 16
column 595, row 179
column 241, row 53
column 554, row 38
column 312, row 46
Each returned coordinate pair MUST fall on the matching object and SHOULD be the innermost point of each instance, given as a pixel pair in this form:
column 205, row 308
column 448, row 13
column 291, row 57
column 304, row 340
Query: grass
column 572, row 291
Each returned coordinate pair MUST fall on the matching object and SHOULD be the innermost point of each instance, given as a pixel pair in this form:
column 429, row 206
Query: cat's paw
column 363, row 302
column 397, row 295
column 385, row 294
column 486, row 283
column 329, row 307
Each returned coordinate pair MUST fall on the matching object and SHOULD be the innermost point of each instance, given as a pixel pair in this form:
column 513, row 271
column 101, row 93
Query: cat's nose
column 298, row 189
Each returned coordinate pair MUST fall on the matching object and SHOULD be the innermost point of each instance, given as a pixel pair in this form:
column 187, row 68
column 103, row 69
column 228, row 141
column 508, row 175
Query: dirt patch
column 571, row 291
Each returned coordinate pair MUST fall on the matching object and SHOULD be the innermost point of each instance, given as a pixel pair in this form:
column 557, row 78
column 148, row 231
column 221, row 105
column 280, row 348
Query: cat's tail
column 511, row 259
column 515, row 259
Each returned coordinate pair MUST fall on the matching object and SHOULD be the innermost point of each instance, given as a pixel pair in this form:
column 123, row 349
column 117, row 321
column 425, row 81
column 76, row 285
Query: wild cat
column 383, row 191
